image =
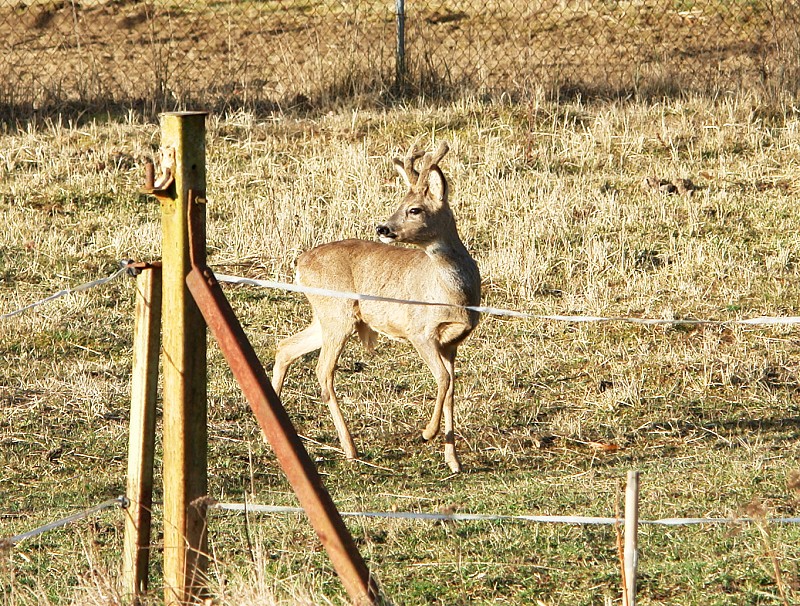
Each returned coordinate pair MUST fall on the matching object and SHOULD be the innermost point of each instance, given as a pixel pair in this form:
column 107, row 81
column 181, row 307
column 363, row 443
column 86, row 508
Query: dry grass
column 550, row 415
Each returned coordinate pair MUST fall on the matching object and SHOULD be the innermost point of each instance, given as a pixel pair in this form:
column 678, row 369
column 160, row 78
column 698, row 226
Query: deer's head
column 424, row 216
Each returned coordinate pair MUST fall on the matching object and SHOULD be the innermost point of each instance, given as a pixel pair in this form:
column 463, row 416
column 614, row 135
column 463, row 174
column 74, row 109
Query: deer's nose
column 384, row 231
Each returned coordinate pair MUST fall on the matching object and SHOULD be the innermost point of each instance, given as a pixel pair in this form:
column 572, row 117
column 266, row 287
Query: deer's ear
column 401, row 170
column 437, row 184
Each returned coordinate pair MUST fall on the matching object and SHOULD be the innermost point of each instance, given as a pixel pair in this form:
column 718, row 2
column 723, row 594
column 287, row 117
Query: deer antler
column 430, row 160
column 440, row 153
column 414, row 154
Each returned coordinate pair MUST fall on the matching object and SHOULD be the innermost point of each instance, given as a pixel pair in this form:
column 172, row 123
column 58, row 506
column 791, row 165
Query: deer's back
column 371, row 268
column 396, row 272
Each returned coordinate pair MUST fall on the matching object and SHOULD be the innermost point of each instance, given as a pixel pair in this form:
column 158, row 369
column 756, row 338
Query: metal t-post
column 400, row 54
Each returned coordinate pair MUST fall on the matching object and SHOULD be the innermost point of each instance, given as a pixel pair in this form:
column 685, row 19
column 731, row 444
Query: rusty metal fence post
column 188, row 288
column 282, row 436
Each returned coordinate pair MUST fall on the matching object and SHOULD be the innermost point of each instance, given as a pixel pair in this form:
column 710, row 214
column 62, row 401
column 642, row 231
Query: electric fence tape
column 496, row 311
column 472, row 517
column 80, row 515
column 67, row 291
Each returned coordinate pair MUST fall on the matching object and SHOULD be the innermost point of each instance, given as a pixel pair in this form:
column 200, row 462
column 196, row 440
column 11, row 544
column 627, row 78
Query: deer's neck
column 447, row 251
column 456, row 269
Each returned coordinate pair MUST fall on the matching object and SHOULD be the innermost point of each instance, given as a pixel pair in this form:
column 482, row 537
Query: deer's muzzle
column 385, row 233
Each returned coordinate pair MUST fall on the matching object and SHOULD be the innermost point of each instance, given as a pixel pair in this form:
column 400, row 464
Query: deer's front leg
column 333, row 342
column 432, row 428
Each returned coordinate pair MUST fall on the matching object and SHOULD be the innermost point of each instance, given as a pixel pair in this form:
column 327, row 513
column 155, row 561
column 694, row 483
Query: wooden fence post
column 139, row 491
column 184, row 360
column 631, row 554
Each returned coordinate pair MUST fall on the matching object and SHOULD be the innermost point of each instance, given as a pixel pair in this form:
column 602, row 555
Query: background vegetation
column 158, row 55
column 549, row 197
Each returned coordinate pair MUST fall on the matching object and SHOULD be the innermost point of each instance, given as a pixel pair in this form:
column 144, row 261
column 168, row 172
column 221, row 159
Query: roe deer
column 440, row 270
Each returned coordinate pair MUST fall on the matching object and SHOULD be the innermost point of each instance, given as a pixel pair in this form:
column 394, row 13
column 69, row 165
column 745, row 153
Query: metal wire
column 472, row 517
column 69, row 291
column 497, row 311
column 80, row 515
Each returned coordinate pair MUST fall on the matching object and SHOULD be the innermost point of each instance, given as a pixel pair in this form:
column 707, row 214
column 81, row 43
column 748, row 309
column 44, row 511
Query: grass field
column 550, row 415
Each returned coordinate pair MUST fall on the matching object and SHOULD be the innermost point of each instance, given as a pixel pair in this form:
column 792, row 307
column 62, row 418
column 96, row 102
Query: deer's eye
column 415, row 210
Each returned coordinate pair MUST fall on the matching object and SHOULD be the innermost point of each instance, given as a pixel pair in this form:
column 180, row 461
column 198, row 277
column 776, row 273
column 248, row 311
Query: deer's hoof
column 451, row 459
column 429, row 433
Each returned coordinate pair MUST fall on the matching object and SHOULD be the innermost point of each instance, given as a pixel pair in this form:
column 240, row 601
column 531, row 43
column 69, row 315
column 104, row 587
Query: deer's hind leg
column 448, row 355
column 441, row 361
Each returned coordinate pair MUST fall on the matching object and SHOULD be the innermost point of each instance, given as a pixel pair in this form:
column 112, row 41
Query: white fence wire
column 493, row 311
column 68, row 291
column 479, row 517
column 70, row 519
column 122, row 502
column 496, row 311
